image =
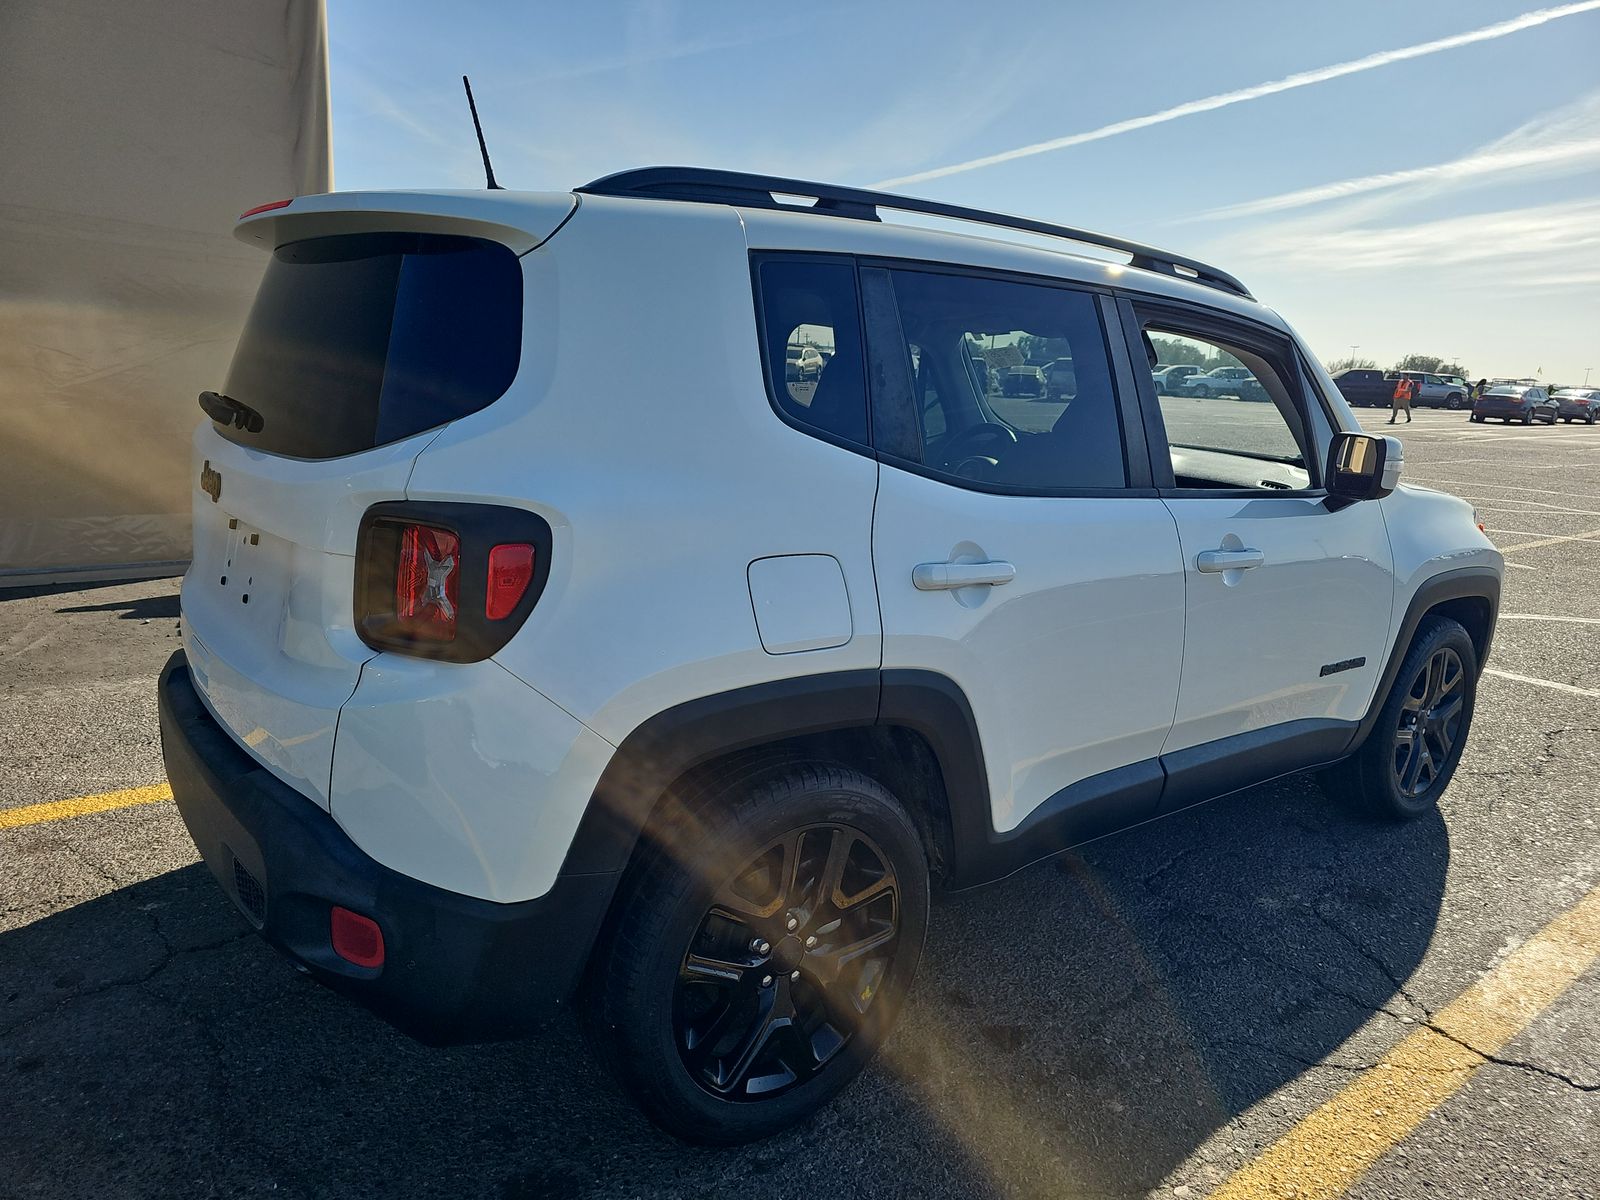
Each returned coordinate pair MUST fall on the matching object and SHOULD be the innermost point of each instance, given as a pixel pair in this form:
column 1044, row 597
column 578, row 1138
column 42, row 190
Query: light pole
column 1586, row 371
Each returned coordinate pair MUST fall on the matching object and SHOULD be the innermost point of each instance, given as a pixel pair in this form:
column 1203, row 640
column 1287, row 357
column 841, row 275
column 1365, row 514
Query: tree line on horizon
column 1430, row 364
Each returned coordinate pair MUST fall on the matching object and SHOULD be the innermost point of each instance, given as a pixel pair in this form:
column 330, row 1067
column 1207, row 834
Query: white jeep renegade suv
column 527, row 666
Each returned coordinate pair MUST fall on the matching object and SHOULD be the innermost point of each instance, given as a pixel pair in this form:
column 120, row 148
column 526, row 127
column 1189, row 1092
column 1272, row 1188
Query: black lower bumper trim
column 456, row 968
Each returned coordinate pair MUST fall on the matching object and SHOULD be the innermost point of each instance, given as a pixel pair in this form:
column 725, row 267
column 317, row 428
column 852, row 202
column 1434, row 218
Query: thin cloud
column 1573, row 155
column 1382, row 58
column 1561, row 239
column 1563, row 141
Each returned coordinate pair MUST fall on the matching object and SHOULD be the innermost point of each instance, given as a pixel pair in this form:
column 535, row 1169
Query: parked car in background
column 1515, row 402
column 1173, row 380
column 810, row 362
column 1023, row 381
column 1577, row 404
column 1363, row 386
column 1433, row 391
column 1060, row 380
column 1226, row 381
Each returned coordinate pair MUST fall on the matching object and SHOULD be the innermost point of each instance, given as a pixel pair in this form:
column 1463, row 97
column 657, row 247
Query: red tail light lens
column 446, row 580
column 355, row 938
column 510, row 572
column 267, row 207
column 427, row 583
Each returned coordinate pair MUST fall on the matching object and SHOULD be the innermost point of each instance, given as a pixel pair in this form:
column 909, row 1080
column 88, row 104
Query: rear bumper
column 456, row 968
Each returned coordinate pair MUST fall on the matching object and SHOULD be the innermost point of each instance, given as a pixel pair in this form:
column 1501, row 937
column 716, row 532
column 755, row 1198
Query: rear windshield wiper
column 225, row 410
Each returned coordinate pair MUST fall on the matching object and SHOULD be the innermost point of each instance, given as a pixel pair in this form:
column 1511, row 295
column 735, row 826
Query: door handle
column 1214, row 562
column 941, row 577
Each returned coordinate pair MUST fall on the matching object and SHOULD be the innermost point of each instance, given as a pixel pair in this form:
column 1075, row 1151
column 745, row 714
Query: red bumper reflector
column 356, row 939
column 267, row 207
column 510, row 572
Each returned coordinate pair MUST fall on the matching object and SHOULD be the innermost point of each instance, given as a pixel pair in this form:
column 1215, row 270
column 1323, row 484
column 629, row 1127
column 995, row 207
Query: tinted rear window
column 364, row 339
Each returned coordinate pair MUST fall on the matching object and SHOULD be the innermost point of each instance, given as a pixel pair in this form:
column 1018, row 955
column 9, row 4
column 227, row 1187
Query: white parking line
column 1587, row 536
column 1522, row 566
column 1511, row 487
column 1491, row 503
column 1542, row 617
column 1544, row 683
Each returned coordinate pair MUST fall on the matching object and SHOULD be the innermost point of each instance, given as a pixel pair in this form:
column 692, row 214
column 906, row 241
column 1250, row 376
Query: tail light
column 267, row 207
column 427, row 582
column 447, row 581
column 510, row 571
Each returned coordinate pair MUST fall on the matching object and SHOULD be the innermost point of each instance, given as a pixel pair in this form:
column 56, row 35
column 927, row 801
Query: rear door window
column 811, row 344
column 360, row 340
column 1033, row 430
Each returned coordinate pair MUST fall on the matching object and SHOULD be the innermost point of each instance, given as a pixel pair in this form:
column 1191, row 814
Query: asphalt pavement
column 1148, row 1015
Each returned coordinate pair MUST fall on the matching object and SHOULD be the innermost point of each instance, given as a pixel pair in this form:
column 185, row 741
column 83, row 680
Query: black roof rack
column 761, row 191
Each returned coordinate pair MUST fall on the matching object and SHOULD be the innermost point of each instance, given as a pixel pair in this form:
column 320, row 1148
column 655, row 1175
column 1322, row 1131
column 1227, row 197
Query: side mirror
column 1362, row 466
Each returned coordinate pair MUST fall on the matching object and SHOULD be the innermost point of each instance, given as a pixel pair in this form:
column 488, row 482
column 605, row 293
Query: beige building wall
column 131, row 137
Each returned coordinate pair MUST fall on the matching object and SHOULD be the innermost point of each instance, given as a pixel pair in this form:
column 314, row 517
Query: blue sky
column 1444, row 203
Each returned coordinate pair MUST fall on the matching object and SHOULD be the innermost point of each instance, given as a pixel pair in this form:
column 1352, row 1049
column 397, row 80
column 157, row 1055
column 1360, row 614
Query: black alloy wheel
column 786, row 962
column 760, row 946
column 1430, row 722
column 1407, row 760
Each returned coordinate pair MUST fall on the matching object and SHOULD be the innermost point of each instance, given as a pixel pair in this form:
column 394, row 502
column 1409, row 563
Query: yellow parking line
column 1324, row 1155
column 82, row 806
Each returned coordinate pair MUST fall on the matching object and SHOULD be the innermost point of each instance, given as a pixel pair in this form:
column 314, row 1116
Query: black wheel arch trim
column 678, row 739
column 1480, row 582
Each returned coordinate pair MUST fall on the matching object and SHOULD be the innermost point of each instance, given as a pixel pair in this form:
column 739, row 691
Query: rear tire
column 705, row 1029
column 1408, row 759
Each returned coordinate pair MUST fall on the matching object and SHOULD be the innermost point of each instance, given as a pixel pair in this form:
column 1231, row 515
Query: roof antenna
column 482, row 148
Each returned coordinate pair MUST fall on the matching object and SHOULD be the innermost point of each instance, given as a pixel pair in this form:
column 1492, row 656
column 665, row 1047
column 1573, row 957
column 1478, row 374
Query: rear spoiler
column 521, row 220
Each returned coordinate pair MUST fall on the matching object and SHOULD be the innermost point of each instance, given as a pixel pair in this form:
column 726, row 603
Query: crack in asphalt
column 1427, row 1020
column 170, row 951
column 1375, row 959
column 170, row 954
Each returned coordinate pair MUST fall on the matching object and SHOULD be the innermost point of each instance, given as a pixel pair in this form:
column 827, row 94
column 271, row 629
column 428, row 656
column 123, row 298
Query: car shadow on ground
column 143, row 608
column 1078, row 1029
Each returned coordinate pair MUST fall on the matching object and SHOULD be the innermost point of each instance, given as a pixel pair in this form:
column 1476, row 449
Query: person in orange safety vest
column 1405, row 390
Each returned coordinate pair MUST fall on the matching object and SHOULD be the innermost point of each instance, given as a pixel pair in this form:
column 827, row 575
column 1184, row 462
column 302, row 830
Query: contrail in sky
column 1557, row 154
column 1382, row 58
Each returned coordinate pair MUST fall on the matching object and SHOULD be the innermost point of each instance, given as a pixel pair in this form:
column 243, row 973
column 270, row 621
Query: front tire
column 1452, row 401
column 762, row 948
column 1408, row 759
